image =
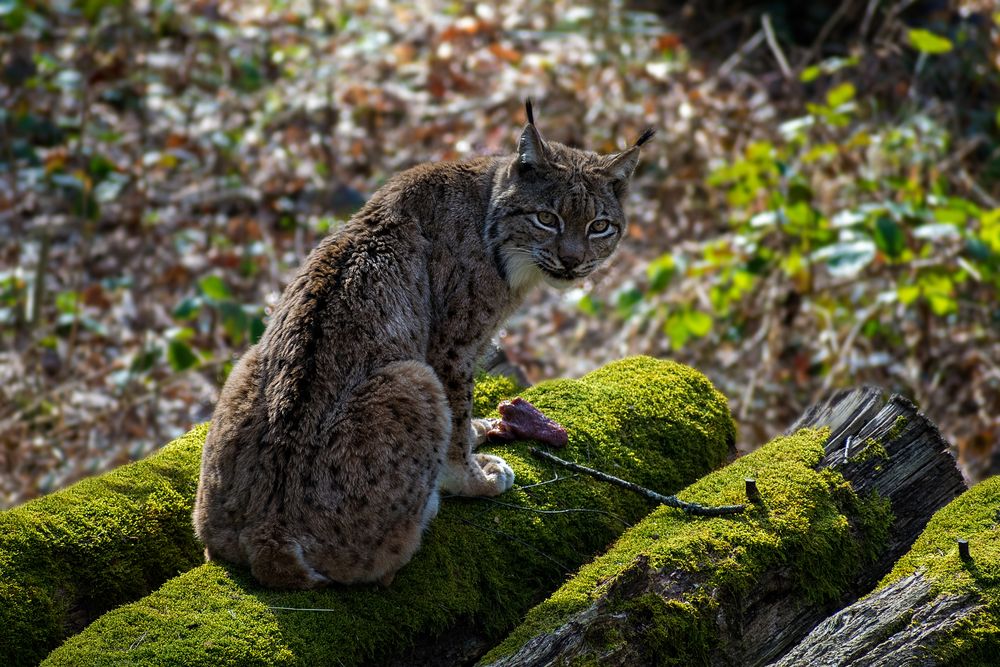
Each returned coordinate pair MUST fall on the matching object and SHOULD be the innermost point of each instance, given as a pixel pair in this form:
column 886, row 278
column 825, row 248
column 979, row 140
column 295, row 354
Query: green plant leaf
column 907, row 294
column 214, row 288
column 627, row 299
column 889, row 236
column 180, row 356
column 676, row 329
column 926, row 41
column 234, row 321
column 697, row 322
column 841, row 94
column 661, row 271
column 846, row 258
column 589, row 305
column 955, row 216
column 145, row 359
column 257, row 327
column 68, row 302
column 810, row 73
column 187, row 308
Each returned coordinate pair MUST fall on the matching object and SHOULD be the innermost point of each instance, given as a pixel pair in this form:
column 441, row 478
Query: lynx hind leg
column 397, row 427
column 277, row 559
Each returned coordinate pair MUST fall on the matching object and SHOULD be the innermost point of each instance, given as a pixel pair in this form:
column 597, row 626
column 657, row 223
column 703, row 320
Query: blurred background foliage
column 819, row 209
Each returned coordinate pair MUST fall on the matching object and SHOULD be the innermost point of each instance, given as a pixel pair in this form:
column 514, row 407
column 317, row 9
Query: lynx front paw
column 497, row 471
column 480, row 427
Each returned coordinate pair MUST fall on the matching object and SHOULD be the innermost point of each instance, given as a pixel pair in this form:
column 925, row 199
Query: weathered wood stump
column 742, row 590
column 935, row 607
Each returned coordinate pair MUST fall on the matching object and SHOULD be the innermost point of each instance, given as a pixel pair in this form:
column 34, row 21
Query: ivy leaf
column 187, row 308
column 697, row 322
column 627, row 300
column 846, row 258
column 213, row 288
column 841, row 94
column 660, row 272
column 889, row 236
column 810, row 73
column 234, row 321
column 926, row 41
column 179, row 355
column 676, row 328
column 256, row 329
column 145, row 359
column 907, row 294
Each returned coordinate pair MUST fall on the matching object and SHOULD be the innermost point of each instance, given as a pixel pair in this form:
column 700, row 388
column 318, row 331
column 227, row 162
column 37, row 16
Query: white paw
column 480, row 427
column 497, row 471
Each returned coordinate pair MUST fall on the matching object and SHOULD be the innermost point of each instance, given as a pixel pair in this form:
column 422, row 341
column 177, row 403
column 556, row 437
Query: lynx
column 335, row 433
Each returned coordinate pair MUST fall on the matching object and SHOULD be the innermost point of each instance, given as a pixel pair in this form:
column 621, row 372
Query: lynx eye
column 547, row 219
column 600, row 228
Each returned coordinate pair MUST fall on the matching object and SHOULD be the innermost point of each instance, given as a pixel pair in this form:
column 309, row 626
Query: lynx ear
column 619, row 167
column 531, row 148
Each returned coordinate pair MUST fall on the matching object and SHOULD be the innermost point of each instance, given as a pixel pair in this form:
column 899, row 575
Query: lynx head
column 558, row 212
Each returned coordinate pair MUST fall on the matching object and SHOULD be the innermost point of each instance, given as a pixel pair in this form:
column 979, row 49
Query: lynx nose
column 570, row 260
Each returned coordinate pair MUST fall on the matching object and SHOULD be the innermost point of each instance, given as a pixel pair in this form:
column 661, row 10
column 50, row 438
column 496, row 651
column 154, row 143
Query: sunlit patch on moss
column 490, row 390
column 974, row 516
column 812, row 524
column 483, row 562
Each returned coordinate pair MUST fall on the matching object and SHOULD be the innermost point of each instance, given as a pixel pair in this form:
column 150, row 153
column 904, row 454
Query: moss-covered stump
column 934, row 608
column 739, row 590
column 483, row 563
column 72, row 555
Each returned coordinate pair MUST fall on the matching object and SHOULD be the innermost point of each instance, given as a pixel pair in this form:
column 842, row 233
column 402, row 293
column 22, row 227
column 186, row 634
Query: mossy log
column 842, row 497
column 70, row 556
column 935, row 607
column 483, row 562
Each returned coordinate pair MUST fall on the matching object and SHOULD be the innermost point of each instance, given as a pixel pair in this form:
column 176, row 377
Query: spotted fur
column 334, row 434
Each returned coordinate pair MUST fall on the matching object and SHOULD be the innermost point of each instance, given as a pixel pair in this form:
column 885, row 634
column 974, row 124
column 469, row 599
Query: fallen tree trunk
column 68, row 557
column 935, row 607
column 839, row 505
column 483, row 562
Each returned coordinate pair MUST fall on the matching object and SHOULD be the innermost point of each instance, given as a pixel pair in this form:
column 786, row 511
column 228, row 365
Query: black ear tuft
column 646, row 135
column 527, row 109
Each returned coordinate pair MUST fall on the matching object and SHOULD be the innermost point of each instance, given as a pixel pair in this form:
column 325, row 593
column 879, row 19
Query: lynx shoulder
column 334, row 434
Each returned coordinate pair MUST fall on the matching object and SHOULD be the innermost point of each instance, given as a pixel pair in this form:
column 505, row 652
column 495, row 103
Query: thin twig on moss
column 669, row 501
column 568, row 510
column 557, row 478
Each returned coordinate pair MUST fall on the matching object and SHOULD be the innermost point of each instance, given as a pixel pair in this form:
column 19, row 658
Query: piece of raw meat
column 520, row 420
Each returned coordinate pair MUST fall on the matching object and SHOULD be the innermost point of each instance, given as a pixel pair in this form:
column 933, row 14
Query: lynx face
column 559, row 214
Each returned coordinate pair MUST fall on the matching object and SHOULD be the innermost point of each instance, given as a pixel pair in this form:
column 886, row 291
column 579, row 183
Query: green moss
column 811, row 524
column 68, row 557
column 897, row 428
column 490, row 390
column 873, row 450
column 483, row 563
column 974, row 516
